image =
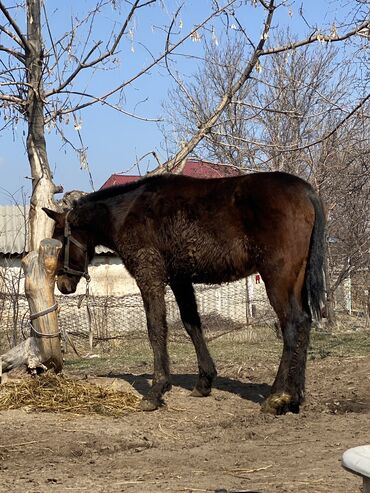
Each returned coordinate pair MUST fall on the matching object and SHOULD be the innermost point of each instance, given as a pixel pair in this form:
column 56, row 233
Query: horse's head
column 77, row 250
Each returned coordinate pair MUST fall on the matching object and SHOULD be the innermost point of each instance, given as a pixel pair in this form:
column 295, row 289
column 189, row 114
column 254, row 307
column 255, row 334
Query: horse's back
column 270, row 201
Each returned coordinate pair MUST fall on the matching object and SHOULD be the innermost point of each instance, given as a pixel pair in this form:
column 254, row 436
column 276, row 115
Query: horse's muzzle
column 67, row 284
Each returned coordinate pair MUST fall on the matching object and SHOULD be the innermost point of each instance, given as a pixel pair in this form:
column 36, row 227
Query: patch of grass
column 231, row 348
column 339, row 345
column 133, row 351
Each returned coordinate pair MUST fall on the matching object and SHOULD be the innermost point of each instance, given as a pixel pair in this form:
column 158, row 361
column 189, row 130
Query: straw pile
column 58, row 393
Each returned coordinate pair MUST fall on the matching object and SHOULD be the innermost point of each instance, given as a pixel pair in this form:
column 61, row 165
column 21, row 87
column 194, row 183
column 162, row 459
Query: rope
column 33, row 316
column 86, row 296
column 44, row 334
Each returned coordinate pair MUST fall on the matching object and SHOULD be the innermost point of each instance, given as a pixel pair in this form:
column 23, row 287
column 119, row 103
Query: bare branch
column 11, row 35
column 51, row 40
column 87, row 64
column 22, row 39
column 156, row 60
column 282, row 149
column 206, row 127
column 317, row 37
column 19, row 56
column 351, row 113
column 94, row 100
column 11, row 99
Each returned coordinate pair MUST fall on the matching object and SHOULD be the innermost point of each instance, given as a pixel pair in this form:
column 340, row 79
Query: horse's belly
column 216, row 277
column 211, row 266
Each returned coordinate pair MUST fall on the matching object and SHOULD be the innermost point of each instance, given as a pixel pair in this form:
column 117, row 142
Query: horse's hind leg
column 287, row 393
column 184, row 294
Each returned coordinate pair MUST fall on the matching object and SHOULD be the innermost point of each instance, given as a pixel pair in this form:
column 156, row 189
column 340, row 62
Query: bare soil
column 221, row 442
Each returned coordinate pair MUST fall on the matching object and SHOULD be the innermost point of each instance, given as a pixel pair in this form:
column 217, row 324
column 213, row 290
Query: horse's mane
column 113, row 191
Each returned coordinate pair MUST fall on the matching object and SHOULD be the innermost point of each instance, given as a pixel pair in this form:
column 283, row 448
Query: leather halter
column 68, row 240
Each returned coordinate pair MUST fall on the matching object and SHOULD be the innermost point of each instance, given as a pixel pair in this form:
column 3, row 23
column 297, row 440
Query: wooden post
column 247, row 302
column 39, row 268
column 42, row 349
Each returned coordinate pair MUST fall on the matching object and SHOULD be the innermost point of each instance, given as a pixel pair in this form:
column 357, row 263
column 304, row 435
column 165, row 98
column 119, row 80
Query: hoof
column 279, row 404
column 200, row 393
column 147, row 405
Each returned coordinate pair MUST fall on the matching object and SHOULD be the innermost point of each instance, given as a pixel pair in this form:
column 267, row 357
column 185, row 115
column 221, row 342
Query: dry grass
column 57, row 393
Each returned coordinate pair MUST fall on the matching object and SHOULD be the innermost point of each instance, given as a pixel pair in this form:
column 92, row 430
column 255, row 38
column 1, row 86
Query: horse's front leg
column 155, row 310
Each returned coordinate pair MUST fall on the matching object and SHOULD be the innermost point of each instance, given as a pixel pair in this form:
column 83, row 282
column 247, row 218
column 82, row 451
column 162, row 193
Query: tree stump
column 42, row 349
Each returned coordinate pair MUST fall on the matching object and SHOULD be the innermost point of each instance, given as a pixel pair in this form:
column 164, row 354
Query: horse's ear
column 56, row 216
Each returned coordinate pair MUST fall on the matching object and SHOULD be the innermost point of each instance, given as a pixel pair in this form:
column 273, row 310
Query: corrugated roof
column 205, row 169
column 13, row 228
column 117, row 179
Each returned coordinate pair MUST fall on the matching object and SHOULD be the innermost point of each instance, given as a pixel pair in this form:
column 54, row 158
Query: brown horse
column 177, row 230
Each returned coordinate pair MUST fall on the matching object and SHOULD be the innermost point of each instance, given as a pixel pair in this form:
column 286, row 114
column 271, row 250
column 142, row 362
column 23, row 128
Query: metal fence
column 107, row 318
column 86, row 321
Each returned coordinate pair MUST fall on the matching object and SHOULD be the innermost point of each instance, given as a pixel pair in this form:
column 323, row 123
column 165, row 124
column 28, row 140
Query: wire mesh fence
column 105, row 318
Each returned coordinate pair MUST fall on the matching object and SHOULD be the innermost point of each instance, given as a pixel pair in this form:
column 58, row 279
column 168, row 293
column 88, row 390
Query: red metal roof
column 119, row 180
column 197, row 169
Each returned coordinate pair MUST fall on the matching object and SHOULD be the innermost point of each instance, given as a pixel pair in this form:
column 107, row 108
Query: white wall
column 108, row 277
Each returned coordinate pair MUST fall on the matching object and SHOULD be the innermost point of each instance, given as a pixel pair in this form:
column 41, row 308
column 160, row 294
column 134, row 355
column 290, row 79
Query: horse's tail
column 315, row 280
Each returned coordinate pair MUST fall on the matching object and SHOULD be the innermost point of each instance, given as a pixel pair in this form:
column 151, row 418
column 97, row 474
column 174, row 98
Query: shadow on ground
column 250, row 391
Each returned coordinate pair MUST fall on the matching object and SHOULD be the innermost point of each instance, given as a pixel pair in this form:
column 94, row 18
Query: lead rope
column 89, row 318
column 33, row 316
column 91, row 334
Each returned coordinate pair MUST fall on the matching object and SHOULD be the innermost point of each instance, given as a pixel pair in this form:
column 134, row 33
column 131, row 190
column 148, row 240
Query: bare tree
column 202, row 98
column 41, row 71
column 42, row 74
column 343, row 174
column 190, row 105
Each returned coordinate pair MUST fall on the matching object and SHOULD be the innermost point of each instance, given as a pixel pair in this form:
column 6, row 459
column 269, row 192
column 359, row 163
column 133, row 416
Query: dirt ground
column 221, row 442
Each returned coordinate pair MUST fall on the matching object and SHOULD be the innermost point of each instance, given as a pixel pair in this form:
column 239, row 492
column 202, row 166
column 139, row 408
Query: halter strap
column 70, row 239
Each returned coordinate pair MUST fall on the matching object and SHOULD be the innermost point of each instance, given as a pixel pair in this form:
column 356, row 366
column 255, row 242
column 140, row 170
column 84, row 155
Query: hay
column 58, row 393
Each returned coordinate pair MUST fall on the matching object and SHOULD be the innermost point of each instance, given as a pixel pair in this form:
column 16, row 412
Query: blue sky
column 115, row 141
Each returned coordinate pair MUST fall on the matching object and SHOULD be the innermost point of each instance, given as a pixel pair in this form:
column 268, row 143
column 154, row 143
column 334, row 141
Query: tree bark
column 43, row 188
column 40, row 271
column 42, row 349
column 25, row 354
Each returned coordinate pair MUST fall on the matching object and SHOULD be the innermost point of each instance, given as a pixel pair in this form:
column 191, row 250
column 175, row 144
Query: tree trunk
column 43, row 188
column 40, row 271
column 42, row 349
